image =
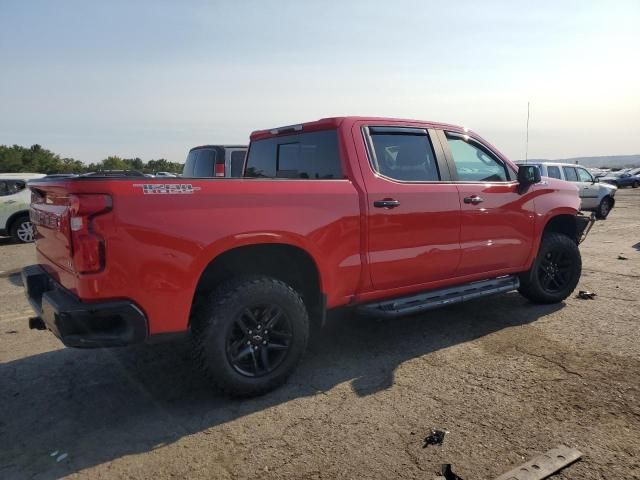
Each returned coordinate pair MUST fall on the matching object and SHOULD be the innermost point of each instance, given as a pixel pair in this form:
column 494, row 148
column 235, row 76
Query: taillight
column 87, row 244
column 219, row 170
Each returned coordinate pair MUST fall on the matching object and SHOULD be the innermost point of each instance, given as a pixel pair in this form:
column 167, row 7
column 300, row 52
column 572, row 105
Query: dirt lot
column 506, row 378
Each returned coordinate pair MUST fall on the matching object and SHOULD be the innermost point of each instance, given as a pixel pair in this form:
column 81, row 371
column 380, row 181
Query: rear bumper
column 77, row 324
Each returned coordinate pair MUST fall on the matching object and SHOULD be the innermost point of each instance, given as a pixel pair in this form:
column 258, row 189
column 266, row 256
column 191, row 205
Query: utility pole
column 526, row 151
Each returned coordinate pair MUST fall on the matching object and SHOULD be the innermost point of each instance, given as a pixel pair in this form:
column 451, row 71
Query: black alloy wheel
column 554, row 271
column 259, row 340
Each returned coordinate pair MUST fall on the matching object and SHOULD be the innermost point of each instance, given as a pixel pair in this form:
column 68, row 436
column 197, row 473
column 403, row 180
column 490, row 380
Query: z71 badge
column 166, row 188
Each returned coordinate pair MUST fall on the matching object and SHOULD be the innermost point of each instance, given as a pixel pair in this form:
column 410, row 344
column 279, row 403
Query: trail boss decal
column 166, row 188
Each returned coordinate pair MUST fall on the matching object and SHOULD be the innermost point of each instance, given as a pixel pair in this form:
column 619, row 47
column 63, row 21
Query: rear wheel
column 250, row 335
column 604, row 209
column 22, row 230
column 555, row 272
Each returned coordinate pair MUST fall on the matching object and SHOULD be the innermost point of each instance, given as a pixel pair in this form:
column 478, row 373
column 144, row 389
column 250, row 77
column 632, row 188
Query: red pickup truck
column 389, row 216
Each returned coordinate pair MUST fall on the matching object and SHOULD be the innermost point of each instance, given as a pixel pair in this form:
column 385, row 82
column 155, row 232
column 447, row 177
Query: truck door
column 588, row 189
column 413, row 217
column 497, row 220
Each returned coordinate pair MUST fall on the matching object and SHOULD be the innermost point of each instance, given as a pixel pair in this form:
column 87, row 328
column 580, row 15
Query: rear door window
column 404, row 154
column 312, row 155
column 570, row 174
column 554, row 172
column 4, row 189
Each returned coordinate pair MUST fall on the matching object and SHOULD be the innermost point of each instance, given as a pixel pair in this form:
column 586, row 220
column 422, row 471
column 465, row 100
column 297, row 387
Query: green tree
column 163, row 165
column 113, row 163
column 134, row 163
column 37, row 159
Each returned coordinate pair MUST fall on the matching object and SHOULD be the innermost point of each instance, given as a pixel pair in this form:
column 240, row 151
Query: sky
column 151, row 79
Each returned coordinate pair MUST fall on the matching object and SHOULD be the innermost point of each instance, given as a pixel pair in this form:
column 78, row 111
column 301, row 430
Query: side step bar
column 440, row 298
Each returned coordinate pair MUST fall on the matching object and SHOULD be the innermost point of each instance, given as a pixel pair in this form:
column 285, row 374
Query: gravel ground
column 507, row 379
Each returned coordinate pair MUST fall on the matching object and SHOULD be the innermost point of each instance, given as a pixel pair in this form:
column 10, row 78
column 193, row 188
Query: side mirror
column 528, row 175
column 596, row 180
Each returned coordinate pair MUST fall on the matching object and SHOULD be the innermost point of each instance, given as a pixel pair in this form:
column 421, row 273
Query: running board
column 440, row 298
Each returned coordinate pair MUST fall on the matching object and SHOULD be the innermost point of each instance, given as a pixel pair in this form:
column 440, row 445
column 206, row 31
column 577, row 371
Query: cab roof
column 219, row 146
column 335, row 122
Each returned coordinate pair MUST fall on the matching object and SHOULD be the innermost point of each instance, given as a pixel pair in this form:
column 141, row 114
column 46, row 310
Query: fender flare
column 541, row 223
column 214, row 250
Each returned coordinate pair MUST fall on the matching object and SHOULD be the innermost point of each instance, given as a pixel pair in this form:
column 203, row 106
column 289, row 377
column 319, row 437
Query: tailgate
column 50, row 217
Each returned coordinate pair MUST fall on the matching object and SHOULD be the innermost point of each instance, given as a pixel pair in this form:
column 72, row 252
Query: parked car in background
column 215, row 161
column 622, row 179
column 15, row 198
column 594, row 196
column 164, row 174
column 598, row 172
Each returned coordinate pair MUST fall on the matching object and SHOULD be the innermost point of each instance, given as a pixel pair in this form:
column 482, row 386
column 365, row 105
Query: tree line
column 36, row 159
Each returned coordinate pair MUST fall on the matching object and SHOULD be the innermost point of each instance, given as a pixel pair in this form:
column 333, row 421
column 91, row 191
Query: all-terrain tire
column 536, row 284
column 604, row 209
column 215, row 321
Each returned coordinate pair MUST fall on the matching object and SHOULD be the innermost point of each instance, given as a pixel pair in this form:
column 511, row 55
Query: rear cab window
column 312, row 155
column 200, row 163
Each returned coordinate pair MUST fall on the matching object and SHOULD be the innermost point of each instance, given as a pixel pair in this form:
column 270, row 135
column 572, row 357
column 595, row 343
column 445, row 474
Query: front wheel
column 636, row 184
column 22, row 230
column 604, row 209
column 555, row 271
column 250, row 334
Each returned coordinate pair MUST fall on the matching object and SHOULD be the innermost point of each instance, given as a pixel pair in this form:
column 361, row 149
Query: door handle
column 386, row 203
column 8, row 202
column 473, row 199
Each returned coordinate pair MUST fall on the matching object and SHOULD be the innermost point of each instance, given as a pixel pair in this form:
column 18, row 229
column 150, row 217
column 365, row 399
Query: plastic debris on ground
column 586, row 295
column 436, row 437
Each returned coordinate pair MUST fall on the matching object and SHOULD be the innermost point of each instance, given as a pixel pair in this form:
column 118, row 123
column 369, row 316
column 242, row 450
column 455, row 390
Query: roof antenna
column 526, row 152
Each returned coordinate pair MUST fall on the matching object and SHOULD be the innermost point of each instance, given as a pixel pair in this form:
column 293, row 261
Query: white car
column 594, row 196
column 15, row 199
column 165, row 174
